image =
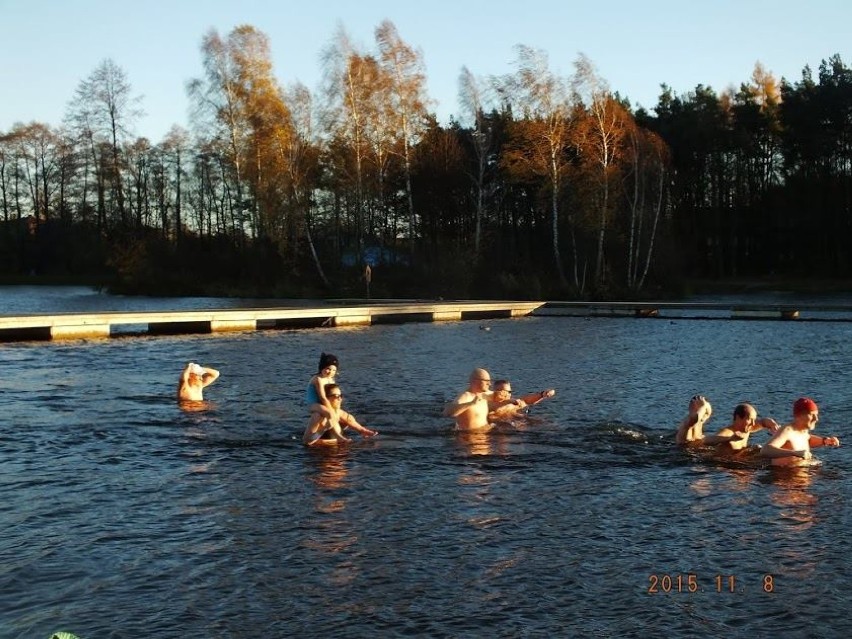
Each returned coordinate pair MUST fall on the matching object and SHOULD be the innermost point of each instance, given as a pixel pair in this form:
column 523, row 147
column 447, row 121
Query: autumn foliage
column 546, row 186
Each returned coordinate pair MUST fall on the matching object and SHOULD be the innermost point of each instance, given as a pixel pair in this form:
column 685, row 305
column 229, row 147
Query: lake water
column 123, row 516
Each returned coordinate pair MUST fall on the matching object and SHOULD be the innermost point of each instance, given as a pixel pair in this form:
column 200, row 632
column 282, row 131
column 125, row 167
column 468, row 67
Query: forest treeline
column 546, row 187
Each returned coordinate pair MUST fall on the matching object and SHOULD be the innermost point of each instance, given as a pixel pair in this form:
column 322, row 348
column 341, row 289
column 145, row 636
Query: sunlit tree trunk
column 5, row 154
column 471, row 99
column 540, row 143
column 302, row 162
column 215, row 97
column 352, row 81
column 404, row 66
column 602, row 144
column 645, row 189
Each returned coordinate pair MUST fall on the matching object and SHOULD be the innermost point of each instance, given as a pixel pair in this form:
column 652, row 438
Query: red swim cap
column 804, row 405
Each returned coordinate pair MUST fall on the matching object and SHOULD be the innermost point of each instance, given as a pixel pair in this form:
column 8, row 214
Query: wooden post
column 368, row 277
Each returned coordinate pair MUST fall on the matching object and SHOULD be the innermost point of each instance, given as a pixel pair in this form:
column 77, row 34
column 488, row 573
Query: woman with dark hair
column 323, row 430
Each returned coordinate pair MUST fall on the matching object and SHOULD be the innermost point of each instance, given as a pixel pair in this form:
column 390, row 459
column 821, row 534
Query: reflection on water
column 197, row 406
column 796, row 503
column 797, row 517
column 477, row 442
column 330, row 466
column 124, row 514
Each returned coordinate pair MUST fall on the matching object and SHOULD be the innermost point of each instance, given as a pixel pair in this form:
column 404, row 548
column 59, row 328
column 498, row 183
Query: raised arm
column 465, row 401
column 816, row 441
column 532, row 399
column 768, row 423
column 209, row 376
column 183, row 382
column 683, row 429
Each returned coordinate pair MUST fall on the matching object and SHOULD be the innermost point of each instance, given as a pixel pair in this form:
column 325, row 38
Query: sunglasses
column 335, row 396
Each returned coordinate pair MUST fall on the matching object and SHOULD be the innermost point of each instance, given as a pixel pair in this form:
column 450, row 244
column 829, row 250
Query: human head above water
column 479, row 375
column 502, row 385
column 326, row 360
column 804, row 405
column 744, row 410
column 329, row 388
column 697, row 401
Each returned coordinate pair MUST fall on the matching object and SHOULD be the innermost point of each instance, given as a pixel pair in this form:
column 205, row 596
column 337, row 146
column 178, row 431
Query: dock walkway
column 106, row 324
column 335, row 313
column 700, row 310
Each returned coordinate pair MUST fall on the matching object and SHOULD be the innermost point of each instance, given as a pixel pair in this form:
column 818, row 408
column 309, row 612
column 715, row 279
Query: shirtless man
column 329, row 430
column 791, row 445
column 193, row 380
column 734, row 438
column 470, row 409
column 501, row 406
column 691, row 429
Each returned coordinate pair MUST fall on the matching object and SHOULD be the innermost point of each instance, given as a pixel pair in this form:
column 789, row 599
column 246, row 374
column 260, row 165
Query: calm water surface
column 123, row 516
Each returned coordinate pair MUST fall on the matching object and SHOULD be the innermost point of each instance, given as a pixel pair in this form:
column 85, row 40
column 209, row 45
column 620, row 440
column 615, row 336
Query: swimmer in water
column 501, row 406
column 325, row 430
column 193, row 380
column 734, row 437
column 691, row 429
column 470, row 409
column 315, row 394
column 791, row 444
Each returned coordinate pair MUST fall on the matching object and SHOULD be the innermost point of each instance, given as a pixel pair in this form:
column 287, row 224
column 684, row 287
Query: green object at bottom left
column 63, row 635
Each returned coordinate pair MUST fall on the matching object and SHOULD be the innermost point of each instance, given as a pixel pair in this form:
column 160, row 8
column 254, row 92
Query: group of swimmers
column 477, row 408
column 324, row 397
column 789, row 445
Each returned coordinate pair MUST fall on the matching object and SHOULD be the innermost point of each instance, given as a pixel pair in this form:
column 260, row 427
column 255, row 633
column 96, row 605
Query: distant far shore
column 770, row 285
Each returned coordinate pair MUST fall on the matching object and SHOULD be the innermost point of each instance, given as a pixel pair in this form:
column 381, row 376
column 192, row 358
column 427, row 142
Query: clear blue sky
column 48, row 46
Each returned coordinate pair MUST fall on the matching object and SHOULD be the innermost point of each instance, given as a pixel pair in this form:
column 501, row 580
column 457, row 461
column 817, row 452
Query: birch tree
column 645, row 190
column 601, row 138
column 405, row 69
column 348, row 99
column 7, row 165
column 471, row 99
column 220, row 117
column 540, row 142
column 302, row 161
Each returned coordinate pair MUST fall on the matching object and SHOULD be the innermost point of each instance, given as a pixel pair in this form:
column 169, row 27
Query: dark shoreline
column 738, row 286
column 770, row 285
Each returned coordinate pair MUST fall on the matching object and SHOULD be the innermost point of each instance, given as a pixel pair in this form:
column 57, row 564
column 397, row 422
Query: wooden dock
column 106, row 324
column 700, row 310
column 336, row 313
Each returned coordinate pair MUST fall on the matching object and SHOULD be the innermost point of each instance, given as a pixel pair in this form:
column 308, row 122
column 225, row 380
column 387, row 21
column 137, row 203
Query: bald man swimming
column 470, row 409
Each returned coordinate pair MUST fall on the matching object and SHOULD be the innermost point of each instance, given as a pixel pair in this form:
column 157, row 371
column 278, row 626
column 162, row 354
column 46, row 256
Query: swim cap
column 804, row 405
column 326, row 360
column 195, row 369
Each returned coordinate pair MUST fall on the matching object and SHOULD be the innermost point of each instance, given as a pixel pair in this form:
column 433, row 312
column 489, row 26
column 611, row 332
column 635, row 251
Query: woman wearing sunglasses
column 328, row 430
